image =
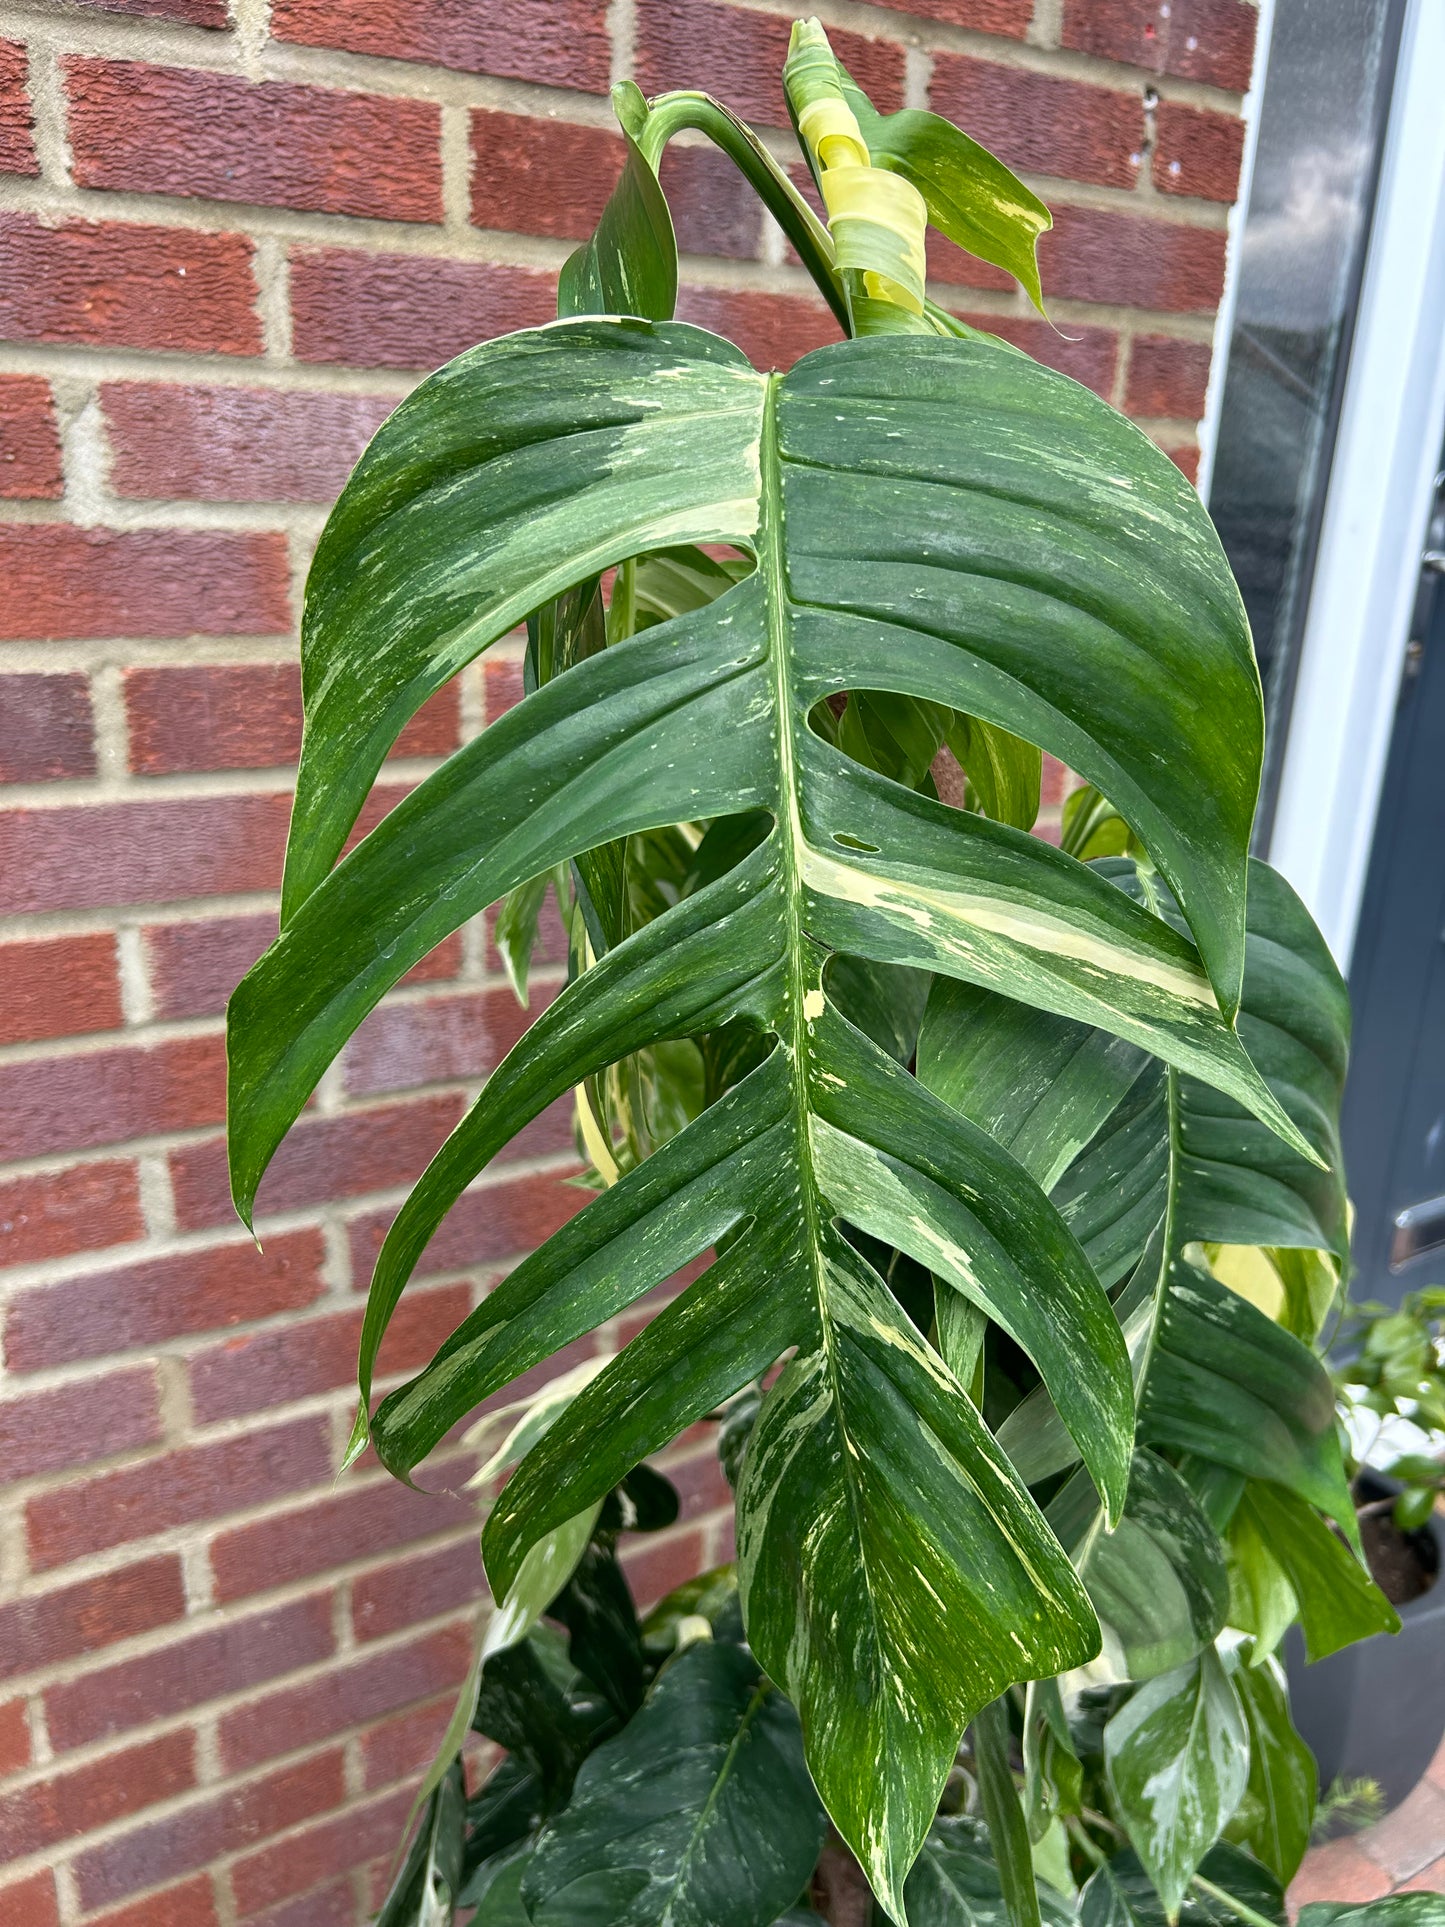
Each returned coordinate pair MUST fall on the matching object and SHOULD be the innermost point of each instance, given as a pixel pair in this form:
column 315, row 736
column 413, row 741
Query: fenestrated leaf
column 1177, row 1757
column 1121, row 1894
column 936, row 518
column 1158, row 1581
column 700, row 1813
column 1338, row 1600
column 1279, row 1805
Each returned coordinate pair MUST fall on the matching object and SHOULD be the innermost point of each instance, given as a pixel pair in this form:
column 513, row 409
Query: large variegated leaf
column 937, row 518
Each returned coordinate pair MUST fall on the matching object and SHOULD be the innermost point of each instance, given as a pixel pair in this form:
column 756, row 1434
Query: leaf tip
column 357, row 1443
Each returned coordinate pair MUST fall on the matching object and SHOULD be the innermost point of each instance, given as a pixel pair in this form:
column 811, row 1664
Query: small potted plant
column 1376, row 1710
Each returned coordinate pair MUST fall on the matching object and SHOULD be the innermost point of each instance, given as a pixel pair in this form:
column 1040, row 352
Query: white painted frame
column 1376, row 508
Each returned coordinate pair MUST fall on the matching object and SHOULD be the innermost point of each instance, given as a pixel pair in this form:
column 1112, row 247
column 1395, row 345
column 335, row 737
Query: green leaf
column 1121, row 1894
column 1004, row 771
column 426, row 1890
column 497, row 1888
column 1158, row 1581
column 700, row 1813
column 1283, row 1780
column 934, row 518
column 515, row 932
column 629, row 267
column 1177, row 1758
column 1007, row 1830
column 955, row 1881
column 1338, row 1601
column 1261, row 1599
column 1394, row 1910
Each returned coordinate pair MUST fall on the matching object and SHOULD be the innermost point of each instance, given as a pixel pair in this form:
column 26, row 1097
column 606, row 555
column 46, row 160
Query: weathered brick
column 235, row 444
column 65, row 582
column 129, row 1306
column 771, row 329
column 195, row 1483
column 552, row 43
column 408, row 311
column 1167, row 378
column 401, row 1747
column 1186, row 459
column 255, row 1370
column 247, row 716
column 1090, row 355
column 85, row 855
column 533, row 176
column 193, row 13
column 1096, row 254
column 191, row 1904
column 29, row 441
column 1042, row 123
column 170, row 130
column 744, row 54
column 30, row 1902
column 45, row 1628
column 333, row 1905
column 344, row 1696
column 407, row 1592
column 105, row 1096
column 1211, row 40
column 72, row 1425
column 322, row 1158
column 658, row 1563
column 358, row 1521
column 1197, row 152
column 204, row 1830
column 45, row 728
column 194, row 966
column 57, row 986
column 434, row 1039
column 234, row 1657
column 307, row 1858
column 17, row 144
column 483, row 1227
column 107, row 285
column 1009, row 17
column 502, row 685
column 82, row 1208
column 80, row 1799
column 15, row 1747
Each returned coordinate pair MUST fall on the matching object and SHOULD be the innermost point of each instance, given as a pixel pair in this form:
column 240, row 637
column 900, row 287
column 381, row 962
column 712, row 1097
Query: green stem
column 670, row 113
column 1089, row 1847
column 1237, row 1907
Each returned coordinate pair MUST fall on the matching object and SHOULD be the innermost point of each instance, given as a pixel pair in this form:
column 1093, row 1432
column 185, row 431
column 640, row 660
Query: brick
column 204, row 1830
column 331, row 1906
column 307, row 1357
column 1410, row 1837
column 701, row 1486
column 408, row 311
column 235, row 1657
column 1090, row 355
column 1009, row 17
column 714, row 211
column 401, row 1747
column 551, row 944
column 771, row 329
column 70, row 583
column 1429, row 1880
column 406, row 1592
column 1167, row 378
column 1186, row 460
column 72, row 1425
column 552, row 43
column 30, row 1902
column 343, row 1697
column 247, row 716
column 107, row 285
column 306, row 1859
column 1210, row 40
column 195, row 1483
column 322, row 1158
column 135, row 1305
column 508, row 1217
column 57, row 986
column 193, row 13
column 1095, row 254
column 45, row 728
column 14, row 1738
column 534, row 176
column 1197, row 152
column 947, row 262
column 211, row 444
column 104, row 1096
column 437, row 1038
column 169, row 130
column 192, row 1904
column 47, row 1628
column 1041, row 123
column 194, row 966
column 358, row 1521
column 42, row 1814
column 29, row 441
column 656, row 1564
column 502, row 685
column 744, row 54
column 85, row 856
column 1338, row 1870
column 17, row 144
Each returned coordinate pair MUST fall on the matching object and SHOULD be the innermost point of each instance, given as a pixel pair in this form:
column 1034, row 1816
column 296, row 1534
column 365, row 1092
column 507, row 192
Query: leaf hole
column 846, row 842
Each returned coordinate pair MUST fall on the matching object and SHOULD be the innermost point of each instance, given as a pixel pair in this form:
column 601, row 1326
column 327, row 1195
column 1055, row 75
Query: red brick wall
column 229, row 241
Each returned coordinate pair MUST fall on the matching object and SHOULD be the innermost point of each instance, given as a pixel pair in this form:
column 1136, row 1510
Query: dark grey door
column 1395, row 1100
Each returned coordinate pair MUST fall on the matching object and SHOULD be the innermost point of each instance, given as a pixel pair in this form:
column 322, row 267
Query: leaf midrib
column 754, row 1707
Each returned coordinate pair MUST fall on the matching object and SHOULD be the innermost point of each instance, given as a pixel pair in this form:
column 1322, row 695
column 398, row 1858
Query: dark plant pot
column 1376, row 1711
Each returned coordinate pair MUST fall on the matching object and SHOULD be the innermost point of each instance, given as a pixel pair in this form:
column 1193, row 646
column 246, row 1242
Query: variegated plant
column 1017, row 1165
